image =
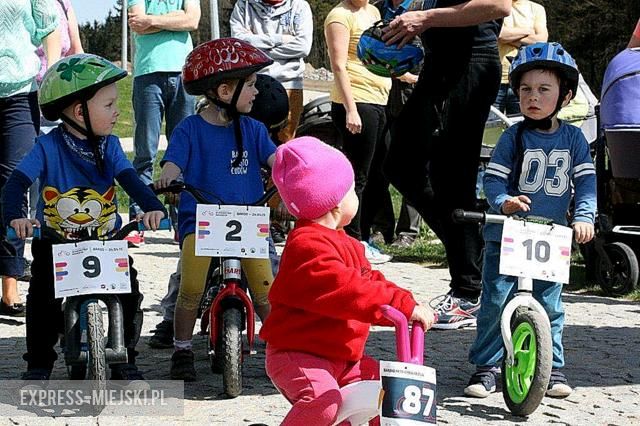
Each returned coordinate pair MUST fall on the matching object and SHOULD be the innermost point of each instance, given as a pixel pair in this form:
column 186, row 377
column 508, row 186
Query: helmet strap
column 88, row 132
column 234, row 115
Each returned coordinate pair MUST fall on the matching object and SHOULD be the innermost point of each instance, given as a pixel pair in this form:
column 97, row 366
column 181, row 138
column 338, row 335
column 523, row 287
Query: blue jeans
column 487, row 350
column 155, row 95
column 507, row 101
column 19, row 126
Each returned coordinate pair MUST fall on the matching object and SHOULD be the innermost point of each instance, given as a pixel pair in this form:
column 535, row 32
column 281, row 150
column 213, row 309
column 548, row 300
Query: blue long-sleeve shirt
column 554, row 165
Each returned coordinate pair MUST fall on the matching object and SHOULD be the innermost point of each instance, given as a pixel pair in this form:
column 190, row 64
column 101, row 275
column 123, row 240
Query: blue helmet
column 387, row 61
column 544, row 56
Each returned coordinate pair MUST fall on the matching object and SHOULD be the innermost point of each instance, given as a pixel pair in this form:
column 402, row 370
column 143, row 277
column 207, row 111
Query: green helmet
column 76, row 77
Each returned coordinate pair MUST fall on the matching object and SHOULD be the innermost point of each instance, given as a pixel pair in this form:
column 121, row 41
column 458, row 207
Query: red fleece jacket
column 325, row 295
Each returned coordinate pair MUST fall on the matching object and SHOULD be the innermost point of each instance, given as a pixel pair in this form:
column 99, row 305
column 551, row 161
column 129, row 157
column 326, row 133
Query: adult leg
column 377, row 208
column 455, row 165
column 296, row 99
column 359, row 149
column 19, row 126
column 148, row 109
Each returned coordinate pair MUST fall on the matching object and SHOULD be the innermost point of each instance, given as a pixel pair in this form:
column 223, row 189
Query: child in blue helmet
column 532, row 172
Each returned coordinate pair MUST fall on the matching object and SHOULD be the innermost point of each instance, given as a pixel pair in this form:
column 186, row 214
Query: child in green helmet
column 77, row 164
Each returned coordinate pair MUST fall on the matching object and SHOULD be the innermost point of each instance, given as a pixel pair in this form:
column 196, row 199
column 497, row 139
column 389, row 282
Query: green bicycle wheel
column 525, row 382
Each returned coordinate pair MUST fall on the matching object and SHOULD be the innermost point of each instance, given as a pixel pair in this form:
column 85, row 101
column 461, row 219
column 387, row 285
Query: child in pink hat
column 325, row 296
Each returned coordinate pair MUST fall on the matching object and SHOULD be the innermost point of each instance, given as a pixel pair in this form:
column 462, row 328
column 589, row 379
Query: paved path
column 602, row 340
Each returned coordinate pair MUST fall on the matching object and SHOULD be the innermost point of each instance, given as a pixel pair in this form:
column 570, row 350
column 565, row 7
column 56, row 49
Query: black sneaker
column 162, row 336
column 12, row 310
column 130, row 374
column 40, row 374
column 182, row 366
column 558, row 385
column 481, row 384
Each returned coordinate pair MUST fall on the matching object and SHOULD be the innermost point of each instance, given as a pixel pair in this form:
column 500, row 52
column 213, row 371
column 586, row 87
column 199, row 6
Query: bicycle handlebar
column 175, row 187
column 463, row 216
column 45, row 232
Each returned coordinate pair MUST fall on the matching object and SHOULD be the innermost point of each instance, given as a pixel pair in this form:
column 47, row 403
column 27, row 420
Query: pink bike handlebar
column 411, row 351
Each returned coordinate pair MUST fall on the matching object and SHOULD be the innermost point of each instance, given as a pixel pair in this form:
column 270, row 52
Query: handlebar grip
column 463, row 216
column 11, row 233
column 175, row 187
column 165, row 225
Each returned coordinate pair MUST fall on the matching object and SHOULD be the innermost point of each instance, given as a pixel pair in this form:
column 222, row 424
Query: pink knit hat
column 312, row 177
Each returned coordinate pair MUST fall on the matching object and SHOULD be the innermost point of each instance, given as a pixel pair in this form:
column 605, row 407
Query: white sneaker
column 373, row 255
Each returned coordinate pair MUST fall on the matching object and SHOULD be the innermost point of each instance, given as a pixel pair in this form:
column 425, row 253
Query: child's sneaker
column 374, row 255
column 130, row 374
column 558, row 385
column 454, row 312
column 182, row 366
column 481, row 384
column 162, row 336
column 135, row 238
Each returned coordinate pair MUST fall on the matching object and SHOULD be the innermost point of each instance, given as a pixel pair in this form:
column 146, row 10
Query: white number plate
column 532, row 250
column 91, row 267
column 409, row 394
column 232, row 231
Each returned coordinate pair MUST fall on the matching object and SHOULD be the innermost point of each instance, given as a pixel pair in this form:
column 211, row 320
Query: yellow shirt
column 366, row 87
column 524, row 14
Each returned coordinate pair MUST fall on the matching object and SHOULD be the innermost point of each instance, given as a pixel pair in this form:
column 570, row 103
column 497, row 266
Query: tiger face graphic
column 79, row 209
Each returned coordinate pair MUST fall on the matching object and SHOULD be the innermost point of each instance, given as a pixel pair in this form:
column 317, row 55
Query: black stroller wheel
column 622, row 277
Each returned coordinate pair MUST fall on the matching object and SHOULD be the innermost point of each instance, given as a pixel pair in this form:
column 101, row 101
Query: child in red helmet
column 220, row 151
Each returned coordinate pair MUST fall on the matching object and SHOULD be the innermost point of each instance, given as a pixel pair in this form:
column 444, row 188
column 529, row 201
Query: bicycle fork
column 523, row 297
column 232, row 290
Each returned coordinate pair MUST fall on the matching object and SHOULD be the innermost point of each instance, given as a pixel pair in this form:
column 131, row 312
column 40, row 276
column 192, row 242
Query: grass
column 124, row 125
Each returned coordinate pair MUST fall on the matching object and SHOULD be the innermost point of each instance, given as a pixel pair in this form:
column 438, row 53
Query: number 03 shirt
column 554, row 166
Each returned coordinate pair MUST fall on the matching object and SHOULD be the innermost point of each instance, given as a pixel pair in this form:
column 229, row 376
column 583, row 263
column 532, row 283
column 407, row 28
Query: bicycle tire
column 95, row 339
column 622, row 277
column 232, row 351
column 524, row 384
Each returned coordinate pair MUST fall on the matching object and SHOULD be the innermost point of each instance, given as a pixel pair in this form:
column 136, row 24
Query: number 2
column 233, row 234
column 92, row 266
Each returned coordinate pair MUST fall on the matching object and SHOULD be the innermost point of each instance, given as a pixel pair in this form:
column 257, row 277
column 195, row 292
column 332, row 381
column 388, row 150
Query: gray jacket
column 263, row 25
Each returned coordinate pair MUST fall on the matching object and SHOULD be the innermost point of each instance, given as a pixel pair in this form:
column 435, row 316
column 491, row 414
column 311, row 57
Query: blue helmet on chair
column 387, row 61
column 545, row 56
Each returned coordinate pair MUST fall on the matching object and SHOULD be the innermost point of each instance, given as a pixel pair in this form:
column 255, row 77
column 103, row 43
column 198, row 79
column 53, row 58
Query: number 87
column 413, row 402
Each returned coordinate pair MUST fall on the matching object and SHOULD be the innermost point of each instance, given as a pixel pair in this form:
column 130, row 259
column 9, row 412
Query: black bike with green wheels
column 526, row 334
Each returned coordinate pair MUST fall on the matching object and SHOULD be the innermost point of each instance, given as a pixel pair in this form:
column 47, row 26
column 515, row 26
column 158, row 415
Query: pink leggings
column 312, row 384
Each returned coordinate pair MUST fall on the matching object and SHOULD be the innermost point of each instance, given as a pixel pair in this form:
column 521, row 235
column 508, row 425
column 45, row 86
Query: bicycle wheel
column 622, row 277
column 232, row 351
column 95, row 340
column 525, row 382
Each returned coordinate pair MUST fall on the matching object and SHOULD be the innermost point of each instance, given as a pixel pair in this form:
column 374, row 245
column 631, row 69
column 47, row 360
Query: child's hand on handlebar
column 24, row 227
column 151, row 220
column 170, row 172
column 424, row 314
column 519, row 203
column 583, row 232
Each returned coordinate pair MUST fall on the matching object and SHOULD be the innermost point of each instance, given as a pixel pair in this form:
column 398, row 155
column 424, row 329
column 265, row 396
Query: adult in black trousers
column 435, row 142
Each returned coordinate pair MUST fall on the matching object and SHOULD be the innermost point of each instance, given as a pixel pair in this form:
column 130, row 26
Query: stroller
column 315, row 121
column 613, row 254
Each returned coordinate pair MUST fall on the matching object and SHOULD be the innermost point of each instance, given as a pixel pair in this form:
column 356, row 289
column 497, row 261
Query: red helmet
column 218, row 60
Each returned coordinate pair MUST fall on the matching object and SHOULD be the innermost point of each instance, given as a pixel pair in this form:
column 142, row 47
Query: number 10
column 542, row 250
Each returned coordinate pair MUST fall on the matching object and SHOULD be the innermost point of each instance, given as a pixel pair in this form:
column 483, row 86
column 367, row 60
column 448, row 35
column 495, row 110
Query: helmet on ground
column 271, row 105
column 76, row 77
column 545, row 56
column 387, row 61
column 218, row 60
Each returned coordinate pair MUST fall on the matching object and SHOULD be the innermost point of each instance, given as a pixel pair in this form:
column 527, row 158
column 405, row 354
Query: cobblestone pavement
column 602, row 343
